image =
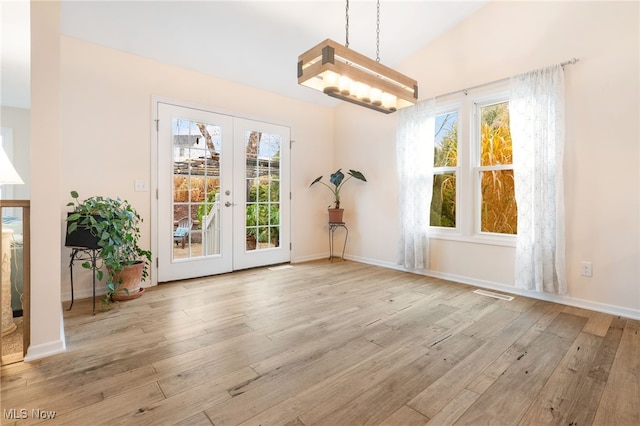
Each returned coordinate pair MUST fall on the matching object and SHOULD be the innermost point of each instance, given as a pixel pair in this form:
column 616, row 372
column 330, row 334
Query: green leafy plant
column 338, row 180
column 263, row 222
column 263, row 212
column 115, row 223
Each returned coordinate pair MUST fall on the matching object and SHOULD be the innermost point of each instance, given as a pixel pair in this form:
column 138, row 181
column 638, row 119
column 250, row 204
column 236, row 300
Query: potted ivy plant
column 338, row 180
column 114, row 224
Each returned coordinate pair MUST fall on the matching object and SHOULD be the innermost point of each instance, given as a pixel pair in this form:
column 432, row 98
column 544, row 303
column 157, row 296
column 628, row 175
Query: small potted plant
column 114, row 223
column 338, row 180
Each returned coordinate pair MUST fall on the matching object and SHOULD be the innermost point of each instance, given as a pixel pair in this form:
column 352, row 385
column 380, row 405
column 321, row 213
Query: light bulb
column 376, row 96
column 353, row 89
column 330, row 80
column 344, row 83
column 364, row 92
column 389, row 101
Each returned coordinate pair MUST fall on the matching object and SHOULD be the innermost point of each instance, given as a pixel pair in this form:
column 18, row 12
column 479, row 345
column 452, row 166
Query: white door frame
column 155, row 100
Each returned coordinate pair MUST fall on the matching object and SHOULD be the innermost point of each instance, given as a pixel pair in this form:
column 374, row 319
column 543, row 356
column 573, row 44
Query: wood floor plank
column 405, row 416
column 485, row 326
column 253, row 345
column 554, row 403
column 513, row 392
column 302, row 350
column 180, row 406
column 199, row 419
column 70, row 399
column 398, row 329
column 519, row 304
column 332, row 344
column 277, row 386
column 455, row 407
column 583, row 409
column 584, row 406
column 436, row 396
column 467, row 314
column 598, row 324
column 603, row 362
column 97, row 366
column 496, row 369
column 620, row 403
column 328, row 394
column 103, row 412
column 294, row 422
column 407, row 381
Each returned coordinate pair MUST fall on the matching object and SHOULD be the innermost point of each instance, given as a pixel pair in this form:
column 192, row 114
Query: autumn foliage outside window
column 493, row 167
column 498, row 211
column 445, row 162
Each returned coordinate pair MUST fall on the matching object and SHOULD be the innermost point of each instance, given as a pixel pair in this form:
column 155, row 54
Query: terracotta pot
column 131, row 276
column 335, row 215
column 251, row 243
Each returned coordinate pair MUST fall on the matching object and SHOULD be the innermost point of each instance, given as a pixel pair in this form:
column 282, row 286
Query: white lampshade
column 8, row 173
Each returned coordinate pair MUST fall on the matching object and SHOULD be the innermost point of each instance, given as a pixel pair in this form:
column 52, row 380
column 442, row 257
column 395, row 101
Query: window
column 473, row 187
column 445, row 171
column 498, row 212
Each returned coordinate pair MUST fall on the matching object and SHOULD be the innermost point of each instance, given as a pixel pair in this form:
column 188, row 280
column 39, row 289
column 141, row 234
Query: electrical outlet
column 586, row 269
column 140, row 185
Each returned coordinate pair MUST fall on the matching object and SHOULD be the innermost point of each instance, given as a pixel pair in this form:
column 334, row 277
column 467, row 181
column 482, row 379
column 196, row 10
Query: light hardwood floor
column 338, row 343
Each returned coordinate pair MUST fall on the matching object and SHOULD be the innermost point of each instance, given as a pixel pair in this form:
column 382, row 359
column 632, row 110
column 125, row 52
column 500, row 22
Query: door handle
column 229, row 204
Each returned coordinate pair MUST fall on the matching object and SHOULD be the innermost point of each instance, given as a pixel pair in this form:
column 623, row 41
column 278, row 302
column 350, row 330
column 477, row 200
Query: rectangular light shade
column 8, row 174
column 350, row 76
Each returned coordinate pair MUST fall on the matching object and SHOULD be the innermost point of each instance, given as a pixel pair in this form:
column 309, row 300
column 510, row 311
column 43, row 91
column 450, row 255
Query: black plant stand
column 332, row 229
column 84, row 254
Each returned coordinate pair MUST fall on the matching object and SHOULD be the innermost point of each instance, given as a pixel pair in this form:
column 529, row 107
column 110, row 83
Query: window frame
column 468, row 182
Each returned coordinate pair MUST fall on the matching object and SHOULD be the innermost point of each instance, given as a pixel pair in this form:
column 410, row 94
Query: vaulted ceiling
column 255, row 43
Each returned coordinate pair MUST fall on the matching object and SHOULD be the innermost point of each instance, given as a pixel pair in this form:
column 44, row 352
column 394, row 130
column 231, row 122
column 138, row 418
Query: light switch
column 141, row 185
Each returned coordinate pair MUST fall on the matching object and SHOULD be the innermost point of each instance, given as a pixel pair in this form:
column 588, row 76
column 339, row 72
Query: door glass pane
column 196, row 188
column 262, row 226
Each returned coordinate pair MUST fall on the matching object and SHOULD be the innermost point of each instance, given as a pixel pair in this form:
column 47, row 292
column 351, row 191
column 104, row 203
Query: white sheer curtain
column 414, row 152
column 536, row 109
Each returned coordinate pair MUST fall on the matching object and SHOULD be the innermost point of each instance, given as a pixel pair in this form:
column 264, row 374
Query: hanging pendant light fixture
column 350, row 76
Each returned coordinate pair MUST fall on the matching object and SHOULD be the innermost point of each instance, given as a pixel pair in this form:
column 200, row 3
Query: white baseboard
column 564, row 300
column 82, row 294
column 87, row 293
column 44, row 350
column 310, row 258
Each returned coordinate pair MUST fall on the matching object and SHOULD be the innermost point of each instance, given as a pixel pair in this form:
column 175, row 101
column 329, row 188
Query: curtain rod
column 571, row 61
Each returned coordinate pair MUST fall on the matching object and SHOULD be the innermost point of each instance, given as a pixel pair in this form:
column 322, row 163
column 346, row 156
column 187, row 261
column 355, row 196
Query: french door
column 223, row 193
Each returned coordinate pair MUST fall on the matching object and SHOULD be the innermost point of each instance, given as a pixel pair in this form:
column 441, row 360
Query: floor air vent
column 494, row 295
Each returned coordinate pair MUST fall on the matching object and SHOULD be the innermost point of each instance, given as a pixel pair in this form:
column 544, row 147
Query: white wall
column 106, row 122
column 602, row 157
column 18, row 119
column 104, row 107
column 45, row 310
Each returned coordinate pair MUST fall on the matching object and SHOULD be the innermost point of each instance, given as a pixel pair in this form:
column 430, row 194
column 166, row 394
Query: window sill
column 485, row 239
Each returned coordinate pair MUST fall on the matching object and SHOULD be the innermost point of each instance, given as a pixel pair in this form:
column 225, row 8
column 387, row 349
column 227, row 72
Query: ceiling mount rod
column 571, row 61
